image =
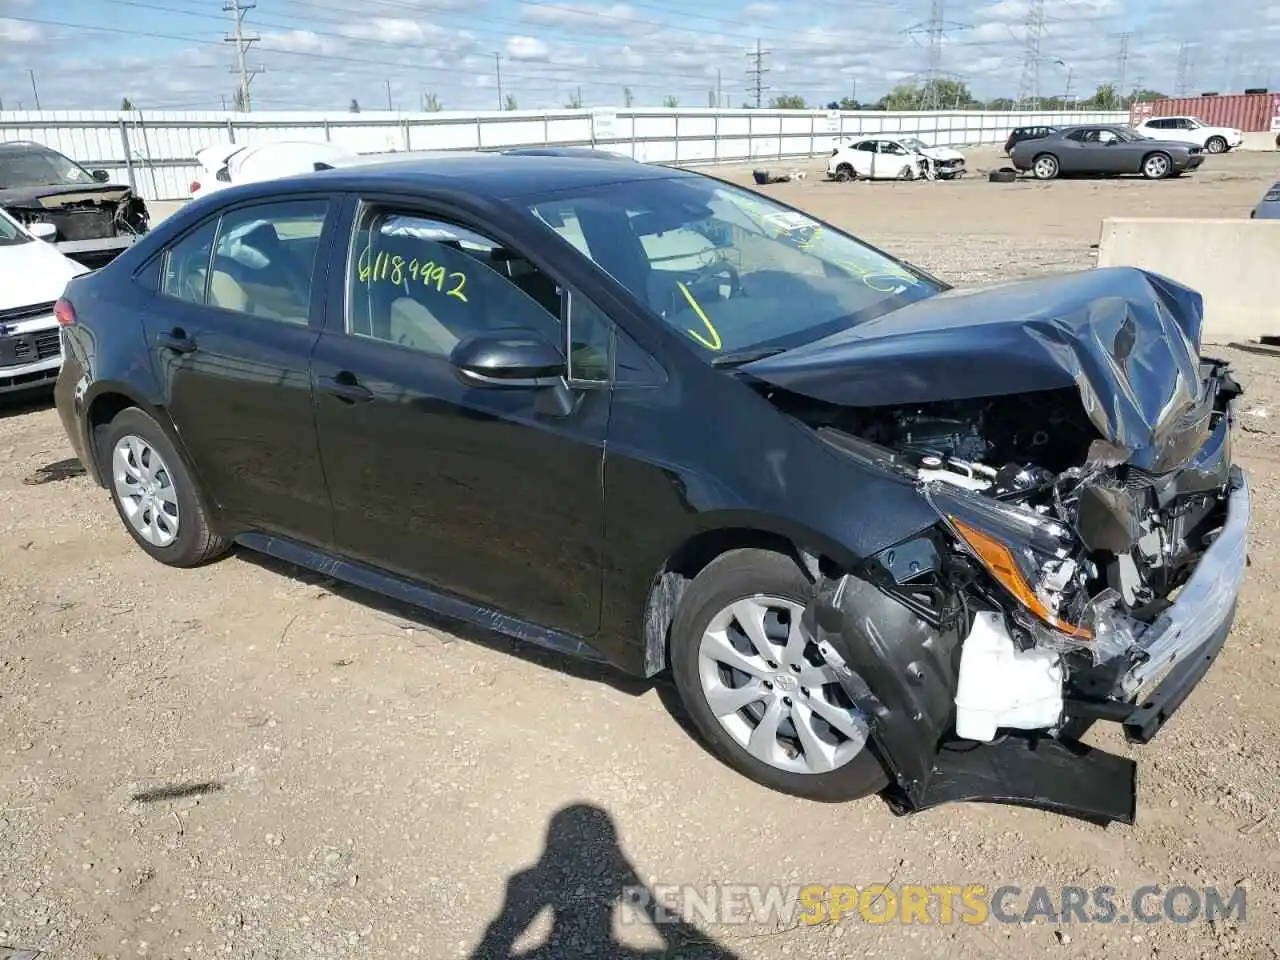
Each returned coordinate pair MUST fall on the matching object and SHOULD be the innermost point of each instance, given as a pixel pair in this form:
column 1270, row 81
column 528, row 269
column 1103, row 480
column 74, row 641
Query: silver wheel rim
column 1216, row 145
column 144, row 488
column 1157, row 166
column 1045, row 168
column 763, row 679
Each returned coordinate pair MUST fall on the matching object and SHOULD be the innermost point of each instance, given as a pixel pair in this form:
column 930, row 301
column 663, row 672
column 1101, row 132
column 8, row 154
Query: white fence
column 155, row 151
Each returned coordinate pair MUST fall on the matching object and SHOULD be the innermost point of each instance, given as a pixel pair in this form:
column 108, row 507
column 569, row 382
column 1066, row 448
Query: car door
column 490, row 493
column 862, row 155
column 231, row 329
column 891, row 157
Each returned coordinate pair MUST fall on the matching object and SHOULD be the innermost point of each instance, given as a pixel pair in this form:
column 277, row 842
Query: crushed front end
column 94, row 224
column 1090, row 545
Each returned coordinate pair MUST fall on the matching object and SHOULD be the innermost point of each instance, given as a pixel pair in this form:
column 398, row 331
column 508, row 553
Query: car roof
column 494, row 175
column 25, row 146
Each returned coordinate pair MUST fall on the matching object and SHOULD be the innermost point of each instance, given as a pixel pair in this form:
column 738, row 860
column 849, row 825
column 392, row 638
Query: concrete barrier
column 1232, row 263
column 1259, row 141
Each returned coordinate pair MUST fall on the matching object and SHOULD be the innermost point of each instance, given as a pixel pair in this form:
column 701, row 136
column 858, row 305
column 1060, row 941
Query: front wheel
column 844, row 173
column 1215, row 145
column 154, row 494
column 756, row 687
column 1157, row 166
column 1045, row 166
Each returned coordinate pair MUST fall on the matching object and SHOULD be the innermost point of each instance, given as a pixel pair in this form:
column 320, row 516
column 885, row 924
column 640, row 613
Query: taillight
column 195, row 186
column 64, row 312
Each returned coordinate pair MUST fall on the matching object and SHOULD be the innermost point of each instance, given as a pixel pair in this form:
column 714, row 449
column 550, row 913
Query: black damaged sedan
column 881, row 532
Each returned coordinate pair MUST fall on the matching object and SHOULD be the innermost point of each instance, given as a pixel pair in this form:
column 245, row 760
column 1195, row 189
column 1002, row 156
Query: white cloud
column 581, row 15
column 17, row 31
column 527, row 48
column 397, row 30
column 760, row 11
column 300, row 41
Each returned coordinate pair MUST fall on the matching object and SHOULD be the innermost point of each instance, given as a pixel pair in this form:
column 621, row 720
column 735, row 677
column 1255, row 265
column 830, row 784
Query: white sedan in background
column 893, row 158
column 225, row 164
column 33, row 275
column 1208, row 138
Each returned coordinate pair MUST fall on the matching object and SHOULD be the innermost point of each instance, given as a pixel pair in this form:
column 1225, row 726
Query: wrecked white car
column 894, row 158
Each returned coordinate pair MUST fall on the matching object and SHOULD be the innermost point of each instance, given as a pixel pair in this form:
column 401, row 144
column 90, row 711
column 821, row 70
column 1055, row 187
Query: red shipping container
column 1246, row 112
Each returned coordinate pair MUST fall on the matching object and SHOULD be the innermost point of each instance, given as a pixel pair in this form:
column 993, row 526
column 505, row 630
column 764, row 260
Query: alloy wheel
column 144, row 487
column 1046, row 168
column 773, row 693
column 1216, row 145
column 1156, row 166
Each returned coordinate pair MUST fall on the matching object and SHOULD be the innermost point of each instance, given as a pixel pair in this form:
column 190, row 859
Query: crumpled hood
column 56, row 194
column 943, row 153
column 1127, row 339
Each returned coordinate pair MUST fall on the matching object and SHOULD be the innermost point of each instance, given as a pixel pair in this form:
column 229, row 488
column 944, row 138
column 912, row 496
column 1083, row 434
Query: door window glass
column 265, row 259
column 186, row 265
column 427, row 284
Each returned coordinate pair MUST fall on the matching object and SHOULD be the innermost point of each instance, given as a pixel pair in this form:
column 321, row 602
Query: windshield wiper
column 746, row 356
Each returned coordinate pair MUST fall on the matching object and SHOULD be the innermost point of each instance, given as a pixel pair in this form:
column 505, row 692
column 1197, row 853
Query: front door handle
column 177, row 341
column 345, row 387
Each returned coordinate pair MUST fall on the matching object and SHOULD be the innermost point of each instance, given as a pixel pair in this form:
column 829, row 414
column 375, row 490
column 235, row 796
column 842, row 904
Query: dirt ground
column 245, row 761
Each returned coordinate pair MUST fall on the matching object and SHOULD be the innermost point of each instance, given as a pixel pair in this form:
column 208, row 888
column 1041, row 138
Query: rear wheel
column 1215, row 145
column 1045, row 166
column 1156, row 166
column 844, row 173
column 756, row 687
column 154, row 493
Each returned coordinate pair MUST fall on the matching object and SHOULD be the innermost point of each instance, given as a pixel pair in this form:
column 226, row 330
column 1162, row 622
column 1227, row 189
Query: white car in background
column 893, row 158
column 1191, row 130
column 224, row 164
column 33, row 275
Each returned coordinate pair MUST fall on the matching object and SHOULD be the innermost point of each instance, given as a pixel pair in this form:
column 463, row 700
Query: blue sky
column 319, row 54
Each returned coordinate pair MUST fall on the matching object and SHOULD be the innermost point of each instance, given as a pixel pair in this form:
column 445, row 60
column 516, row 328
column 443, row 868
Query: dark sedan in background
column 641, row 414
column 95, row 219
column 1104, row 150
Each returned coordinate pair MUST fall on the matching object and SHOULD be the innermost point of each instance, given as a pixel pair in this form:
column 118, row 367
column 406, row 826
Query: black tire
column 734, row 576
column 1003, row 175
column 845, row 173
column 196, row 541
column 1148, row 167
column 1215, row 145
column 1044, row 166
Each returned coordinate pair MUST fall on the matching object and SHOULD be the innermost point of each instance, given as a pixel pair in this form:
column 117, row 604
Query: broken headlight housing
column 1032, row 557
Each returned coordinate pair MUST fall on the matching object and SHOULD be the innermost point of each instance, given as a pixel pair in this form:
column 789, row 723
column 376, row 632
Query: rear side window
column 186, row 265
column 265, row 259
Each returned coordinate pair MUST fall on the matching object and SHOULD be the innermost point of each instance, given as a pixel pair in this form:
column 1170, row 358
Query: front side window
column 728, row 268
column 265, row 258
column 427, row 284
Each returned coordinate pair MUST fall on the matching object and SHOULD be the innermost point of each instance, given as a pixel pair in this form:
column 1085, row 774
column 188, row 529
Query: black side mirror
column 101, row 176
column 512, row 358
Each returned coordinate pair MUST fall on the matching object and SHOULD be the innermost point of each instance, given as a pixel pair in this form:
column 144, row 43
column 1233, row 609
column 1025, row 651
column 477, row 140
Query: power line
column 238, row 8
column 1029, row 87
column 757, row 71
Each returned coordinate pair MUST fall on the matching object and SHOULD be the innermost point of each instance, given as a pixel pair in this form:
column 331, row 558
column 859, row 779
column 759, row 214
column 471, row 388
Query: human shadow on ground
column 583, row 875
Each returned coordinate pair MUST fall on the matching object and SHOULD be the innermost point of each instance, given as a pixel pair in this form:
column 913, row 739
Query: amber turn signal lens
column 996, row 557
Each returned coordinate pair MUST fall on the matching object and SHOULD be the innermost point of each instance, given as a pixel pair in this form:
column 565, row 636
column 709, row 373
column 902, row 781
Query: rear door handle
column 345, row 387
column 176, row 341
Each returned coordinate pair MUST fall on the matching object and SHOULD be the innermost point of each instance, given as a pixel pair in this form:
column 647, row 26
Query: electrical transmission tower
column 1122, row 67
column 1184, row 68
column 935, row 30
column 238, row 8
column 1029, row 88
column 757, row 71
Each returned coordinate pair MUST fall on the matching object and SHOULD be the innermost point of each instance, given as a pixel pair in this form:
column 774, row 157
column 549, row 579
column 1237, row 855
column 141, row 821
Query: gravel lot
column 246, row 761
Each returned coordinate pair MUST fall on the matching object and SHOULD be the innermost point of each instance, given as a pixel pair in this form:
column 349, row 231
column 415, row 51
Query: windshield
column 730, row 269
column 10, row 234
column 39, row 168
column 911, row 143
column 1127, row 133
column 1194, row 123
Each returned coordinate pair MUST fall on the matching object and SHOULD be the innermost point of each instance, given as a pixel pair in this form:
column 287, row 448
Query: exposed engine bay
column 1062, row 553
column 92, row 215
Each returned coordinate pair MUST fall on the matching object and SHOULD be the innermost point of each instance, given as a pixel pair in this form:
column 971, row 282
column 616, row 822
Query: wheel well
column 105, row 408
column 1045, row 153
column 688, row 561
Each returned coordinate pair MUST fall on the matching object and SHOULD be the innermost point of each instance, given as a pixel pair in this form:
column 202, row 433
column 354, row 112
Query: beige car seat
column 225, row 291
column 413, row 325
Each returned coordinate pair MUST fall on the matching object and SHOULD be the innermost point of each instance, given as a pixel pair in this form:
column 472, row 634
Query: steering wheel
column 704, row 276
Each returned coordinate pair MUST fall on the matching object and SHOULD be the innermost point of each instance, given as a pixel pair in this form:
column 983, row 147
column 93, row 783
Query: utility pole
column 238, row 8
column 757, row 72
column 36, row 92
column 1029, row 89
column 719, row 94
column 497, row 64
column 388, row 86
column 1184, row 68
